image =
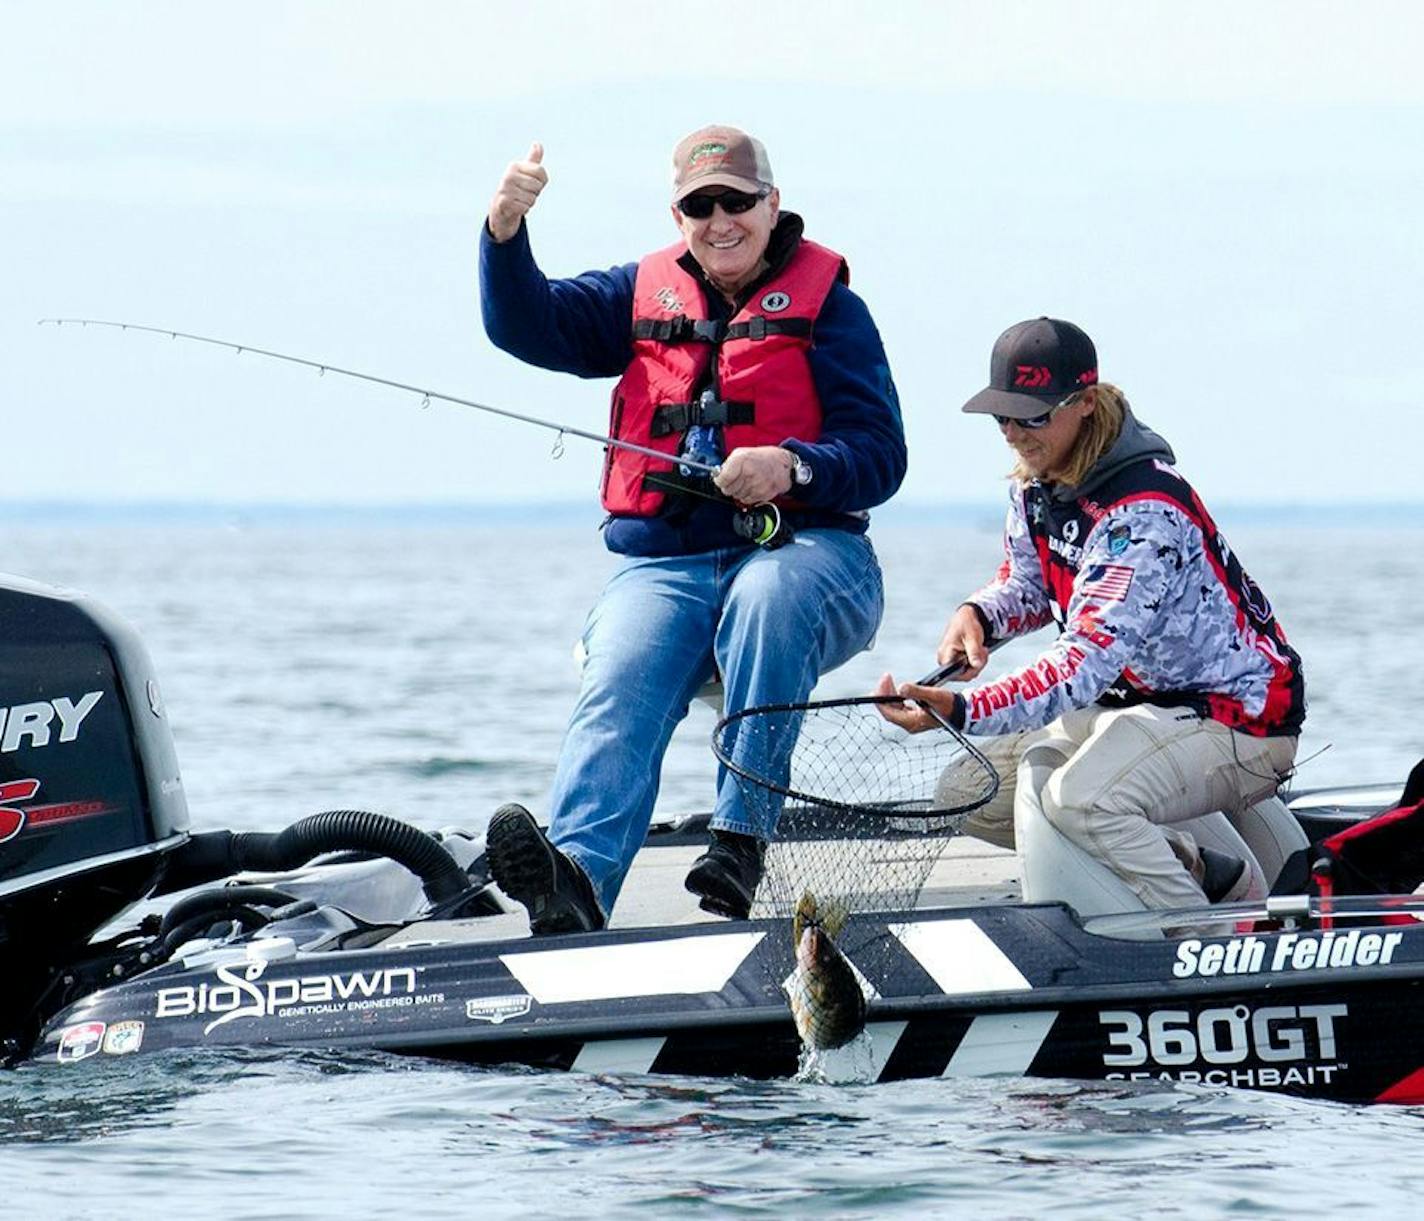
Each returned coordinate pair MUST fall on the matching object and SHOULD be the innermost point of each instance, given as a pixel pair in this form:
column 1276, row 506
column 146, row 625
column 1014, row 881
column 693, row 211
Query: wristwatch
column 801, row 472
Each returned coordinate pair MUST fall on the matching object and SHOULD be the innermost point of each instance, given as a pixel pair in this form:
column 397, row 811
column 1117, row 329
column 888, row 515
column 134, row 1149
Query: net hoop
column 933, row 818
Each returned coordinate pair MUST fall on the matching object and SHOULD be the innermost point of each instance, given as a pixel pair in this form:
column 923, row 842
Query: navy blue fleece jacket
column 583, row 326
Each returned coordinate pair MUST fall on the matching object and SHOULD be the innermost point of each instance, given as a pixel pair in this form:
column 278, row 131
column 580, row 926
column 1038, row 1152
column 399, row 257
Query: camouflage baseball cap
column 719, row 157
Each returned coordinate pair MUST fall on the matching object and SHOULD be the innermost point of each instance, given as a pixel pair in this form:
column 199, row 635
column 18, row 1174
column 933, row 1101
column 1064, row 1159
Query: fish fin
column 833, row 918
column 805, row 914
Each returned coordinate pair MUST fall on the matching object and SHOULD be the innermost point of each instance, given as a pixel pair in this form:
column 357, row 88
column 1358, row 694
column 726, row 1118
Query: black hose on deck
column 220, row 902
column 334, row 830
column 248, row 919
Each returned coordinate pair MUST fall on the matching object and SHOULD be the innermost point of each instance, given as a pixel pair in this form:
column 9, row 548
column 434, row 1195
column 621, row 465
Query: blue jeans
column 773, row 622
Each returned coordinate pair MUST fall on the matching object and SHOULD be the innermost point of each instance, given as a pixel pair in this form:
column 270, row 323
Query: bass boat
column 124, row 932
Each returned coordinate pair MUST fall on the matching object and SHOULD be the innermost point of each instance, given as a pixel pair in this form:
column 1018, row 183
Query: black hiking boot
column 527, row 867
column 726, row 875
column 1224, row 878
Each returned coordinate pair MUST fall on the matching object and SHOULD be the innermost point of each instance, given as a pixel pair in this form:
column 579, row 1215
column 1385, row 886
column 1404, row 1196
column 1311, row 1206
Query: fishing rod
column 324, row 368
column 759, row 524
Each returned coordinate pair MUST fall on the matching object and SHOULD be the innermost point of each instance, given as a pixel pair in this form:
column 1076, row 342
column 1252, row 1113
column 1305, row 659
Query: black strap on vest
column 759, row 326
column 679, row 417
column 683, row 329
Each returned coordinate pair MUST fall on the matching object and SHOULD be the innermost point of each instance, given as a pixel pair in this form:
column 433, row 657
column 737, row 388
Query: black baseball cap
column 1035, row 365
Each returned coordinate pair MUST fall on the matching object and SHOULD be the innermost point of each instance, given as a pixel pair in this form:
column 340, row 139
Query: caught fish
column 825, row 995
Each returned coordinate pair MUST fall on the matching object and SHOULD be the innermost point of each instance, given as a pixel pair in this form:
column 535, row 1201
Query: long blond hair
column 1099, row 430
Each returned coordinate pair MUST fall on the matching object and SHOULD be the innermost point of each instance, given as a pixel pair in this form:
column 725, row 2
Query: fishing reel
column 763, row 525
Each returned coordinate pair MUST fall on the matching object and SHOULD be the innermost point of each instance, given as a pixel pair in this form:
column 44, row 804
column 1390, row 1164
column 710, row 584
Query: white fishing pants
column 1121, row 779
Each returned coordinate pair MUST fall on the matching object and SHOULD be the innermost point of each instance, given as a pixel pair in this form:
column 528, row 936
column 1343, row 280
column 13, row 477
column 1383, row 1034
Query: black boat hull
column 1022, row 990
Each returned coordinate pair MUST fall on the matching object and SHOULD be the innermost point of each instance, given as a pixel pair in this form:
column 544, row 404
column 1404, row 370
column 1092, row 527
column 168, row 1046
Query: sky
column 1226, row 196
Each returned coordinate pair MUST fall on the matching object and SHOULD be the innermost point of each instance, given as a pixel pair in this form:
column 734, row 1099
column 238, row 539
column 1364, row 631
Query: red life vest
column 761, row 374
column 1057, row 529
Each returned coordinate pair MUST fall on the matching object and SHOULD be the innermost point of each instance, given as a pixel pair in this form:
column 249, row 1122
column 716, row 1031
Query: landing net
column 853, row 809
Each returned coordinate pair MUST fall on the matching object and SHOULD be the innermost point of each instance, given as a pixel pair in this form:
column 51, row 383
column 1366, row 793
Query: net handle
column 943, row 674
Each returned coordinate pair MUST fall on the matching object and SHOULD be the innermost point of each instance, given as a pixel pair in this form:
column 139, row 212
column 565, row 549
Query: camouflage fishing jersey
column 1152, row 605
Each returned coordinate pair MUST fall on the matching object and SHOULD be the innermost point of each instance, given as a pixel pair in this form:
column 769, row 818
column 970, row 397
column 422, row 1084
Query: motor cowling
column 90, row 796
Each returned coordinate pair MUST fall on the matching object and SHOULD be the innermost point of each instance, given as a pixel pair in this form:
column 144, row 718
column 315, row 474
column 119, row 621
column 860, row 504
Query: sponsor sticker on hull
column 80, row 1042
column 497, row 1009
column 1267, row 1047
column 123, row 1038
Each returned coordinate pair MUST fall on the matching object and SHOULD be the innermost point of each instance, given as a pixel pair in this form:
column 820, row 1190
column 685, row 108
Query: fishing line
column 324, row 368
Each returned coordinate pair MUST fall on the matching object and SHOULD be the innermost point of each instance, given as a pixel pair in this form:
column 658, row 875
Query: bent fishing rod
column 760, row 524
column 323, row 368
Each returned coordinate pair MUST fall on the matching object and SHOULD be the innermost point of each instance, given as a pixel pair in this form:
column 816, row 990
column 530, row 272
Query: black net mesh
column 855, row 812
column 853, row 809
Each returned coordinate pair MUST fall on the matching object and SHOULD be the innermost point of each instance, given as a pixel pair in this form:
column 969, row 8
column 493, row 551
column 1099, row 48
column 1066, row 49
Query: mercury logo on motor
column 34, row 721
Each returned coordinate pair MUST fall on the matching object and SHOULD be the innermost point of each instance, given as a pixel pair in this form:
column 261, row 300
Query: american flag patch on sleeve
column 1107, row 582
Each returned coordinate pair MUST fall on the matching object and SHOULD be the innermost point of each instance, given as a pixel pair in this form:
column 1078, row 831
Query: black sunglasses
column 1033, row 423
column 733, row 203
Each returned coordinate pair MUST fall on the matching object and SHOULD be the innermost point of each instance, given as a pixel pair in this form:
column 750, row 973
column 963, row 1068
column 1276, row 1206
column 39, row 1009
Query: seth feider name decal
column 1253, row 955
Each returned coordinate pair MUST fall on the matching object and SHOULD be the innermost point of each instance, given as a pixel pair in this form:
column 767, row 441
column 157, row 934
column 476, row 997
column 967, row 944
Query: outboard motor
column 91, row 802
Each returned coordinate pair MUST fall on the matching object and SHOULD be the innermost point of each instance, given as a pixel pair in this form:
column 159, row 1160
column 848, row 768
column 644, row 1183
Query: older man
column 740, row 349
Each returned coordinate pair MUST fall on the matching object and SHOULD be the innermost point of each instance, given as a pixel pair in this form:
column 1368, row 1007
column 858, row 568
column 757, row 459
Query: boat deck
column 969, row 873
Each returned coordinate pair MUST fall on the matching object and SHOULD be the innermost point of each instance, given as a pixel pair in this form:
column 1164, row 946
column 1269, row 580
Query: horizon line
column 562, row 511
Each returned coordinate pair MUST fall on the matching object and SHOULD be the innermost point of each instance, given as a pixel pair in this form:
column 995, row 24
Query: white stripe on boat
column 960, row 957
column 1000, row 1043
column 884, row 1037
column 677, row 966
column 618, row 1056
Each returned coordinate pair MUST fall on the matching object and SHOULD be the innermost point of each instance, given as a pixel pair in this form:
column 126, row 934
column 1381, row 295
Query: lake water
column 423, row 667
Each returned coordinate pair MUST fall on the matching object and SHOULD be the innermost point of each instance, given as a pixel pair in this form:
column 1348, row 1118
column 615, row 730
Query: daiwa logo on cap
column 1032, row 376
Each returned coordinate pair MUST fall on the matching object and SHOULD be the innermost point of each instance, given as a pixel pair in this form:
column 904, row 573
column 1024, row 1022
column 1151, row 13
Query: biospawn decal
column 241, row 992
